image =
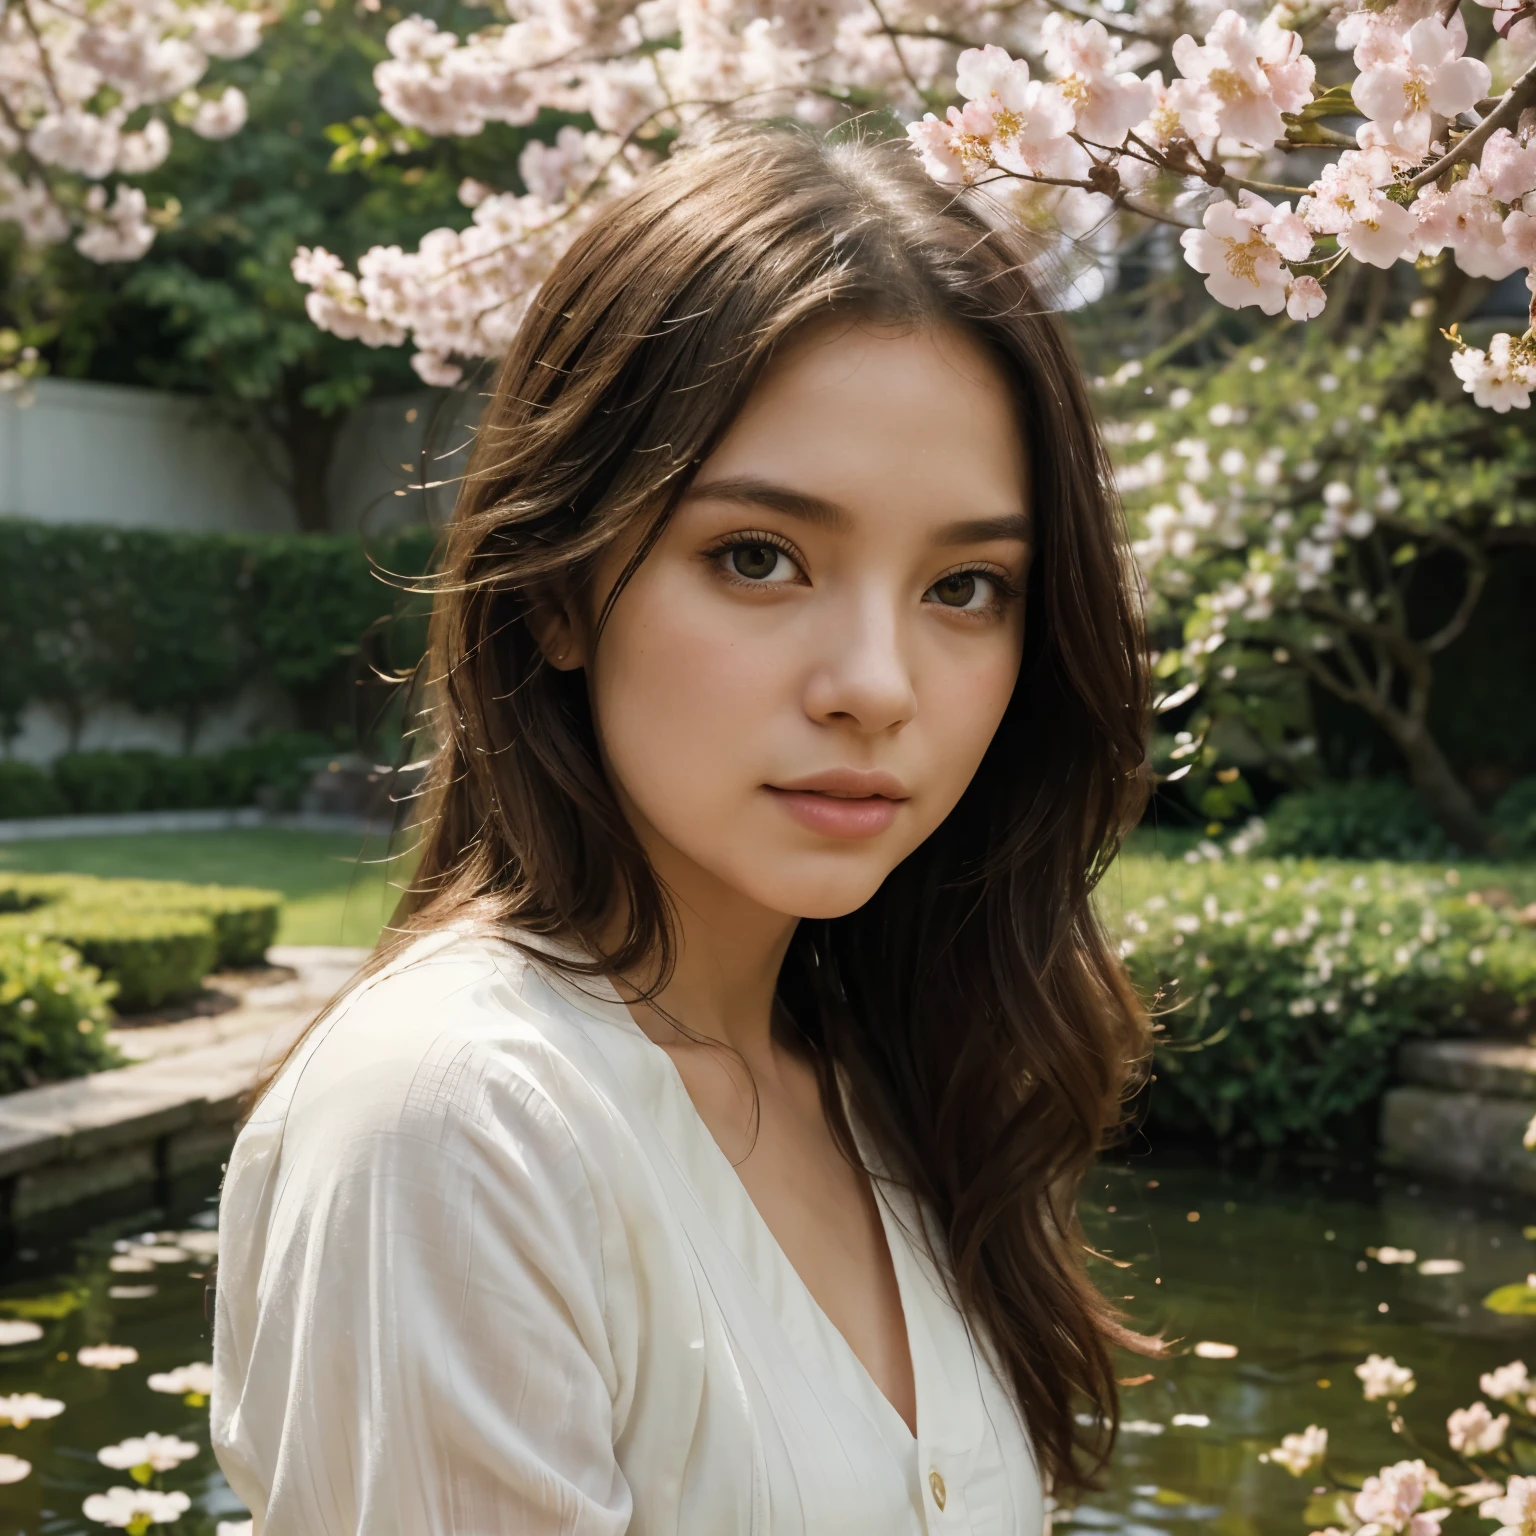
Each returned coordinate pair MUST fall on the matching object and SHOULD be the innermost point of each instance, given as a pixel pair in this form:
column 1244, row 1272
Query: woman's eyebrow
column 749, row 490
column 981, row 530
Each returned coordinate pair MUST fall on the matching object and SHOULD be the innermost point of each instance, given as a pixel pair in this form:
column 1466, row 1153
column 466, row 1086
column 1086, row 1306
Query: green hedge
column 1285, row 987
column 1385, row 819
column 156, row 939
column 54, row 1013
column 174, row 624
column 273, row 772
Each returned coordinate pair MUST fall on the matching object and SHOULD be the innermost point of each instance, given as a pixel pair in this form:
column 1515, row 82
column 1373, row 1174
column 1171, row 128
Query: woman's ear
column 558, row 633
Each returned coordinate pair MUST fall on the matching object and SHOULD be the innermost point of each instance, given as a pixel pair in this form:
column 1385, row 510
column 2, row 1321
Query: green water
column 1275, row 1265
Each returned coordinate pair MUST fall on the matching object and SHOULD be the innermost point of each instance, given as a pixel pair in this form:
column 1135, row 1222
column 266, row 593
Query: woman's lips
column 833, row 816
column 845, row 803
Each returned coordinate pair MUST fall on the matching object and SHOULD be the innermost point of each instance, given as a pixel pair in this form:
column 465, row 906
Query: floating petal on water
column 1210, row 1349
column 107, row 1357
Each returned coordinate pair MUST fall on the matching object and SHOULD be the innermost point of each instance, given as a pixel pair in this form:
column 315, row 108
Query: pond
column 1276, row 1262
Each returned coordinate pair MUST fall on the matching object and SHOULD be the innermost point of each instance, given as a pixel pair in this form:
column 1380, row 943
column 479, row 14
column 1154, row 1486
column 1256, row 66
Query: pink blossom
column 1474, row 1431
column 1499, row 379
column 1391, row 1501
column 1347, row 201
column 119, row 231
column 1108, row 102
column 222, row 116
column 1520, row 238
column 1165, row 124
column 1515, row 1509
column 225, row 33
column 1469, row 221
column 1508, row 166
column 1242, row 248
column 1009, row 122
column 1304, row 299
column 1243, row 78
column 1428, row 78
column 1028, row 119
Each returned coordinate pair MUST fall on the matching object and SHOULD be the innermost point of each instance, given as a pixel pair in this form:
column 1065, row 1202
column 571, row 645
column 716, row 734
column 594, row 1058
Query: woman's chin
column 816, row 897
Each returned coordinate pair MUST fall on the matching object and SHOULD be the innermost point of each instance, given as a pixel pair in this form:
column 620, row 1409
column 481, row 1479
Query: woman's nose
column 861, row 673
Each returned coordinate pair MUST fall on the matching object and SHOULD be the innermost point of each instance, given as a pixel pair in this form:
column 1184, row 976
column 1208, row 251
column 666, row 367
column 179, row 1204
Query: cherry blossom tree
column 1080, row 122
column 1287, row 505
column 1076, row 121
column 89, row 96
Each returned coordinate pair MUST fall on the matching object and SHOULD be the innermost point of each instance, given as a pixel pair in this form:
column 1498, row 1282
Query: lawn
column 337, row 889
column 340, row 889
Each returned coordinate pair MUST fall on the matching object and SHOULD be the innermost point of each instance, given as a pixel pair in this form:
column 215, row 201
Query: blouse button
column 936, row 1487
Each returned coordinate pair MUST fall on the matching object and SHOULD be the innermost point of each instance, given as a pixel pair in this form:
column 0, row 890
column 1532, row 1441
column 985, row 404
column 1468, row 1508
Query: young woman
column 702, row 1154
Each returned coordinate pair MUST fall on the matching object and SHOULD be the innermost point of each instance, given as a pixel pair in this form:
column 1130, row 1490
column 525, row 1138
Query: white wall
column 110, row 453
column 104, row 453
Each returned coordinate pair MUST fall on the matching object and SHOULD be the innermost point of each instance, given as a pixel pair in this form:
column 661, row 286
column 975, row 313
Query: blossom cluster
column 89, row 95
column 1412, row 1497
column 462, row 293
column 1058, row 117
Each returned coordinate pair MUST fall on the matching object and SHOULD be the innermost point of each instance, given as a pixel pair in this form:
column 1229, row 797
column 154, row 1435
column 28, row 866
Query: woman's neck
column 727, row 958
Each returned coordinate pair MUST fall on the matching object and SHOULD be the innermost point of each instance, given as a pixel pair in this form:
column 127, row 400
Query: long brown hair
column 984, row 1026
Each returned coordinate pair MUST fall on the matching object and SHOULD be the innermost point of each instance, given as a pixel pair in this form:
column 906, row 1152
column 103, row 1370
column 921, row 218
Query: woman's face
column 801, row 679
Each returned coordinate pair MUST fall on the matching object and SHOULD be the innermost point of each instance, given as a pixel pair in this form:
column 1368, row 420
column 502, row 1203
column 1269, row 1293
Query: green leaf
column 1517, row 1300
column 1327, row 1509
column 1336, row 101
column 44, row 1308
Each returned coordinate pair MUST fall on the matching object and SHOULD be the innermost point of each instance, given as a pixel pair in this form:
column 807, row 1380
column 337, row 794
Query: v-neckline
column 895, row 1242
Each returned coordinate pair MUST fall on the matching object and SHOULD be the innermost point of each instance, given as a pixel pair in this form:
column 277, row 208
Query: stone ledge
column 1465, row 1136
column 1505, row 1070
column 65, row 1141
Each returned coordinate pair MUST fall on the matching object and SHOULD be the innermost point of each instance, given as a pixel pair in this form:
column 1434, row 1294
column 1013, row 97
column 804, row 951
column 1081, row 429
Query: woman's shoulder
column 460, row 1034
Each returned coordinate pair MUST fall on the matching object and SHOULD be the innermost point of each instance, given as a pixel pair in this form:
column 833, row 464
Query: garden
column 1295, row 248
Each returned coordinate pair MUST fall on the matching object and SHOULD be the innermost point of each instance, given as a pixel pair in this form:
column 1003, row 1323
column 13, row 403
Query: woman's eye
column 760, row 563
column 964, row 589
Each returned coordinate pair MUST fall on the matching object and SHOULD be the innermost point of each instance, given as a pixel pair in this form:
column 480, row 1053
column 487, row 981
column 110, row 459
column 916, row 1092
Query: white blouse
column 485, row 1272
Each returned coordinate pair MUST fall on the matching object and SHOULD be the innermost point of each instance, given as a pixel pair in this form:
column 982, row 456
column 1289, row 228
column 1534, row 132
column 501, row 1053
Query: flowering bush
column 1286, row 506
column 54, row 1013
column 1079, row 125
column 1284, row 987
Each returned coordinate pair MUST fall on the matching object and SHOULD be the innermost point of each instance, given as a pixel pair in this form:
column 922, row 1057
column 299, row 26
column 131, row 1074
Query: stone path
column 176, row 1107
column 34, row 828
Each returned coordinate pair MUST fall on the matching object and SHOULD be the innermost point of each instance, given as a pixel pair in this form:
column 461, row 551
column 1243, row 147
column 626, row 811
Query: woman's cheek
column 962, row 698
column 685, row 712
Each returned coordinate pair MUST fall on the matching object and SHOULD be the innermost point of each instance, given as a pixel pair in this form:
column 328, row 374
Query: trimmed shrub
column 244, row 919
column 54, row 1013
column 1284, row 988
column 154, row 957
column 173, row 624
column 100, row 783
column 26, row 790
column 1356, row 819
column 156, row 939
column 273, row 772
